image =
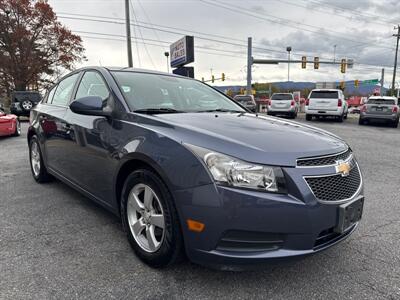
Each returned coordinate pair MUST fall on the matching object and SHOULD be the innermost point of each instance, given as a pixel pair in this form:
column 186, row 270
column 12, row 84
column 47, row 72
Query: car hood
column 258, row 139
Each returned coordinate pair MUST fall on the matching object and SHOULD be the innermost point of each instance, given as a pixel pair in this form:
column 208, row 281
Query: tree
column 33, row 45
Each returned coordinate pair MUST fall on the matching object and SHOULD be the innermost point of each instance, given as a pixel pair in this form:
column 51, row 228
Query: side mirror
column 90, row 105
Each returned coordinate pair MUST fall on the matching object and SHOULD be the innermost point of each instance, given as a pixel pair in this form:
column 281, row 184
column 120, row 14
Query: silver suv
column 326, row 103
column 283, row 104
column 380, row 108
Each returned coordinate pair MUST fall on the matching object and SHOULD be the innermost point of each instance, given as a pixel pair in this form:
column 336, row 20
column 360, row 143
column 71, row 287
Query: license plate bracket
column 349, row 214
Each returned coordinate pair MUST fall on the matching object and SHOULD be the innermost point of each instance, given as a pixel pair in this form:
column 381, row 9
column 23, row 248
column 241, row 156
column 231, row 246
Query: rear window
column 382, row 101
column 325, row 94
column 243, row 99
column 282, row 97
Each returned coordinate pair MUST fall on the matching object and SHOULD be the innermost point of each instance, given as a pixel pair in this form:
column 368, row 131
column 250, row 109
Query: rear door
column 380, row 106
column 324, row 100
column 53, row 125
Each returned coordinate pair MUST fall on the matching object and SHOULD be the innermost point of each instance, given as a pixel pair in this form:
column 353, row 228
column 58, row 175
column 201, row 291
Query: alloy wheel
column 146, row 217
column 27, row 105
column 35, row 158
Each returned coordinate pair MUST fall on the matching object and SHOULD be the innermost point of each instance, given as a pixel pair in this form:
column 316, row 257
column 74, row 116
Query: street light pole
column 395, row 58
column 166, row 53
column 128, row 34
column 288, row 49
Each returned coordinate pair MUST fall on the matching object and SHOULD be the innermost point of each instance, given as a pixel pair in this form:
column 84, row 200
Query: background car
column 23, row 101
column 380, row 108
column 9, row 124
column 247, row 101
column 326, row 102
column 283, row 104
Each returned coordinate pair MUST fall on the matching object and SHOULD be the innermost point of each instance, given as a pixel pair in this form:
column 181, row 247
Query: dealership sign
column 182, row 52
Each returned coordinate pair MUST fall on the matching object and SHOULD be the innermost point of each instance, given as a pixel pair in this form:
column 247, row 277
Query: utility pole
column 334, row 53
column 249, row 65
column 382, row 81
column 395, row 57
column 128, row 34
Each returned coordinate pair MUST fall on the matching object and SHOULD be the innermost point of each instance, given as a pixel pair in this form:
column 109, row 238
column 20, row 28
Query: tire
column 395, row 124
column 340, row 119
column 39, row 174
column 167, row 244
column 360, row 121
column 345, row 116
column 17, row 131
column 308, row 117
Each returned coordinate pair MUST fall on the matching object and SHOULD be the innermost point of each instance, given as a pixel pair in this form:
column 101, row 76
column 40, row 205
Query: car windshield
column 281, row 97
column 153, row 93
column 382, row 101
column 324, row 94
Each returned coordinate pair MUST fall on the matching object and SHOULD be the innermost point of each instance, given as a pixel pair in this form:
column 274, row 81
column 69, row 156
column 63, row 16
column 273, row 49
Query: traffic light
column 343, row 65
column 223, row 76
column 316, row 63
column 212, row 78
column 303, row 62
column 342, row 85
column 356, row 83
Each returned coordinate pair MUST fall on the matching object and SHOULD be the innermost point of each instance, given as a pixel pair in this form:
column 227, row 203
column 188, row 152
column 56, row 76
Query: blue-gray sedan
column 190, row 171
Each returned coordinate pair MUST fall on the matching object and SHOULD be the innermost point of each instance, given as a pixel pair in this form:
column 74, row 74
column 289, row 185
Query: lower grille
column 335, row 187
column 329, row 236
column 244, row 241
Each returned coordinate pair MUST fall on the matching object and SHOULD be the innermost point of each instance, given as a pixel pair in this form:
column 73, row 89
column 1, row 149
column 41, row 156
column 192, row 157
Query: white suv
column 326, row 102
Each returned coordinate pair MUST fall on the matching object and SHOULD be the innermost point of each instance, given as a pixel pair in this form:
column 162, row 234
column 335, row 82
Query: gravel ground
column 56, row 244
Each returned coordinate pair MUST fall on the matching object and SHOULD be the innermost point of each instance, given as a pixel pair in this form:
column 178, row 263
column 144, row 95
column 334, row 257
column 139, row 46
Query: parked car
column 9, row 124
column 23, row 101
column 380, row 108
column 326, row 102
column 354, row 110
column 189, row 170
column 283, row 104
column 247, row 101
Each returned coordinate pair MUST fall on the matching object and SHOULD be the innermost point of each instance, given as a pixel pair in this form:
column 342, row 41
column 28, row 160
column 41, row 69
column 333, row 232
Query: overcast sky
column 361, row 30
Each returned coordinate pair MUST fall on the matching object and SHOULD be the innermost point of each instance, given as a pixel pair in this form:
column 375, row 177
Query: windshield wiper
column 222, row 110
column 160, row 110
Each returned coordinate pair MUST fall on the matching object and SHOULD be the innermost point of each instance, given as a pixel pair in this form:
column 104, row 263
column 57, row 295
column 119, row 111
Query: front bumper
column 294, row 222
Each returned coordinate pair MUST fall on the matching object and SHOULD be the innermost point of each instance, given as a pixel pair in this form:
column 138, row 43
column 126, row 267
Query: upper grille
column 335, row 187
column 323, row 160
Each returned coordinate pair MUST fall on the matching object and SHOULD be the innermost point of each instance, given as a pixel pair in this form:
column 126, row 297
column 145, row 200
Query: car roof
column 128, row 69
column 383, row 97
column 282, row 94
column 325, row 90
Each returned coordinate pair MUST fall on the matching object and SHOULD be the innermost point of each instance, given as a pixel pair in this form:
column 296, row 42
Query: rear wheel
column 340, row 119
column 17, row 131
column 150, row 219
column 38, row 168
column 395, row 124
column 26, row 105
column 308, row 117
column 361, row 121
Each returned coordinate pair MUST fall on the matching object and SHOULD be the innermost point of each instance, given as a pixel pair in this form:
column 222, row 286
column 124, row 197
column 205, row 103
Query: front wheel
column 150, row 219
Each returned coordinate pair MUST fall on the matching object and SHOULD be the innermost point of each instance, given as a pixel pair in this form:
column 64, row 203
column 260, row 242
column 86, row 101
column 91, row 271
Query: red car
column 9, row 124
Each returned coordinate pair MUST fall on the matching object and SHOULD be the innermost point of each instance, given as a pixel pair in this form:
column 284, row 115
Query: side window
column 49, row 97
column 92, row 84
column 64, row 90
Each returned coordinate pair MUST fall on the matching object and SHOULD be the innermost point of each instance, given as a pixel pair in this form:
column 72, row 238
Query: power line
column 283, row 21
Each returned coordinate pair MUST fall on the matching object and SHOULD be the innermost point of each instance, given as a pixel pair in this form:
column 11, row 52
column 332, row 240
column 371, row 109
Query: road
column 56, row 244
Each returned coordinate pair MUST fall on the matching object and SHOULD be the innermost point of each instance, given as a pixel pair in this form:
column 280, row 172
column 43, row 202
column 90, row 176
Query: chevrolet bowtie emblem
column 343, row 168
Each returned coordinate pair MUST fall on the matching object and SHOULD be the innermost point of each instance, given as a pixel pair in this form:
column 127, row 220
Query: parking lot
column 55, row 243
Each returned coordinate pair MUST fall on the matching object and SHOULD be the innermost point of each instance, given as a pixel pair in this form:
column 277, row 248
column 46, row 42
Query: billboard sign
column 182, row 51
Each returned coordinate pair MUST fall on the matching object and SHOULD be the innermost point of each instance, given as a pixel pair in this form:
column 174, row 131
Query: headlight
column 234, row 172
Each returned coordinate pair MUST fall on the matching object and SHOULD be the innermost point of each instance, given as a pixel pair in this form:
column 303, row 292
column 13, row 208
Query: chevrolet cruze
column 190, row 171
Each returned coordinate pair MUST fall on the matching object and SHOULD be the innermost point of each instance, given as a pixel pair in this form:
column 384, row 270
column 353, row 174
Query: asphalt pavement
column 56, row 244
